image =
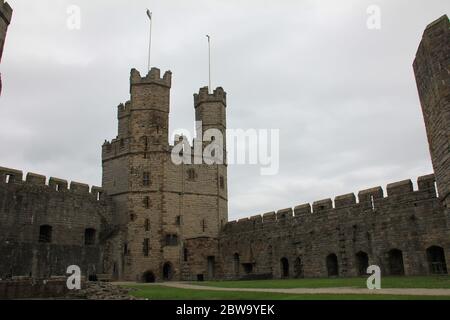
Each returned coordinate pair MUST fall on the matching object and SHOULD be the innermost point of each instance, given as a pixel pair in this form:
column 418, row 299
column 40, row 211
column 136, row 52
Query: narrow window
column 185, row 254
column 222, row 182
column 89, row 237
column 171, row 240
column 146, row 202
column 372, row 200
column 178, row 221
column 146, row 248
column 147, row 225
column 203, row 225
column 146, row 179
column 45, row 234
column 191, row 174
column 125, row 248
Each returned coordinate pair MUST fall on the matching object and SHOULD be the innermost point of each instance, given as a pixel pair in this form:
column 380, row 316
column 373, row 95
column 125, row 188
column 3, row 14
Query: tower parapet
column 219, row 95
column 152, row 77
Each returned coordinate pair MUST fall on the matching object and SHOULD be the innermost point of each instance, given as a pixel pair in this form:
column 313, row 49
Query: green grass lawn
column 431, row 282
column 166, row 293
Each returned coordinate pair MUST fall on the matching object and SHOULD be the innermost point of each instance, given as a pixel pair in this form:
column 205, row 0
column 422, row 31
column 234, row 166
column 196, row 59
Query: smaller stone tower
column 5, row 19
column 432, row 70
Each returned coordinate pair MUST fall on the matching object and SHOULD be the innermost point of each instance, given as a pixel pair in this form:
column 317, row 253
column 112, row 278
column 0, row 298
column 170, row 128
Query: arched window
column 332, row 265
column 89, row 237
column 45, row 234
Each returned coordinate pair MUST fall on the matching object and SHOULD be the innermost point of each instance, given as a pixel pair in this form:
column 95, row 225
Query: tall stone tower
column 432, row 70
column 170, row 214
column 5, row 20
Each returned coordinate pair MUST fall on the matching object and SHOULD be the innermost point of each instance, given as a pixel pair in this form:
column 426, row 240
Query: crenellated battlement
column 123, row 110
column 115, row 148
column 5, row 11
column 219, row 95
column 152, row 77
column 369, row 199
column 15, row 177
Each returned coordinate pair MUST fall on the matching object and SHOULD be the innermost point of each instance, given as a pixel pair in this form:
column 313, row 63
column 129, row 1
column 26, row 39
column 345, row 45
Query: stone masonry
column 5, row 20
column 153, row 220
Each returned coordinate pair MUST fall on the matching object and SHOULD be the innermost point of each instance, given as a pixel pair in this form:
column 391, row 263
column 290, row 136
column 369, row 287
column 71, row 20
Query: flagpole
column 149, row 14
column 209, row 63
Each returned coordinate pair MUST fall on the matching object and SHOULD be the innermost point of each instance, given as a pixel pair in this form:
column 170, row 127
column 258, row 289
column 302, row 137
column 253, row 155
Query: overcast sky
column 343, row 96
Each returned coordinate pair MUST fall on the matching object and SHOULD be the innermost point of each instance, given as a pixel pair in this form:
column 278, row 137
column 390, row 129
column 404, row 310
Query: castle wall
column 407, row 220
column 27, row 205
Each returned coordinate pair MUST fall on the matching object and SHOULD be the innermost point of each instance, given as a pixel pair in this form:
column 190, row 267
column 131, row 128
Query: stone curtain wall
column 27, row 205
column 406, row 220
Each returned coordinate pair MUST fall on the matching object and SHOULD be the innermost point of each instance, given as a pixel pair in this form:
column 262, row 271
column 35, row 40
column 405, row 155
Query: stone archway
column 148, row 277
column 362, row 263
column 332, row 265
column 167, row 271
column 395, row 260
column 284, row 264
column 436, row 260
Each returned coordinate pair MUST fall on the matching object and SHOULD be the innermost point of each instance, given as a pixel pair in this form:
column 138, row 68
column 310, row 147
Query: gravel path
column 358, row 291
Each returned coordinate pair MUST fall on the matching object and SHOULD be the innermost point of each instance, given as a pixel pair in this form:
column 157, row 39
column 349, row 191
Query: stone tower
column 432, row 70
column 5, row 20
column 171, row 215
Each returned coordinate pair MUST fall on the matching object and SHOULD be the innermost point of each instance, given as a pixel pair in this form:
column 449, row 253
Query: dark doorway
column 284, row 264
column 436, row 260
column 200, row 277
column 395, row 258
column 89, row 237
column 167, row 271
column 45, row 234
column 332, row 265
column 148, row 277
column 298, row 268
column 248, row 267
column 362, row 263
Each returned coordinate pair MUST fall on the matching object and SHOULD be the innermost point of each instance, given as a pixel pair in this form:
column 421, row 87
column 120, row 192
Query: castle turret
column 432, row 70
column 210, row 109
column 5, row 20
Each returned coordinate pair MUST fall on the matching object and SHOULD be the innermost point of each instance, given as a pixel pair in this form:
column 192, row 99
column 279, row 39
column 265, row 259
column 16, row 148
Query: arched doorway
column 148, row 277
column 298, row 268
column 167, row 271
column 395, row 259
column 362, row 263
column 284, row 264
column 332, row 265
column 436, row 260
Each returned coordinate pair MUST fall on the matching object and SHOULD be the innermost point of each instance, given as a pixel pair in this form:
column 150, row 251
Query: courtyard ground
column 393, row 288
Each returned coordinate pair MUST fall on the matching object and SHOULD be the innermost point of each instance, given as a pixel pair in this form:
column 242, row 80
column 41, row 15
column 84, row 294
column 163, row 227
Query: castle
column 153, row 220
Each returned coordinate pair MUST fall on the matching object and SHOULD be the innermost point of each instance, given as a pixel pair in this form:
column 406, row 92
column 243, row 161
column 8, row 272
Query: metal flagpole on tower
column 149, row 14
column 209, row 62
